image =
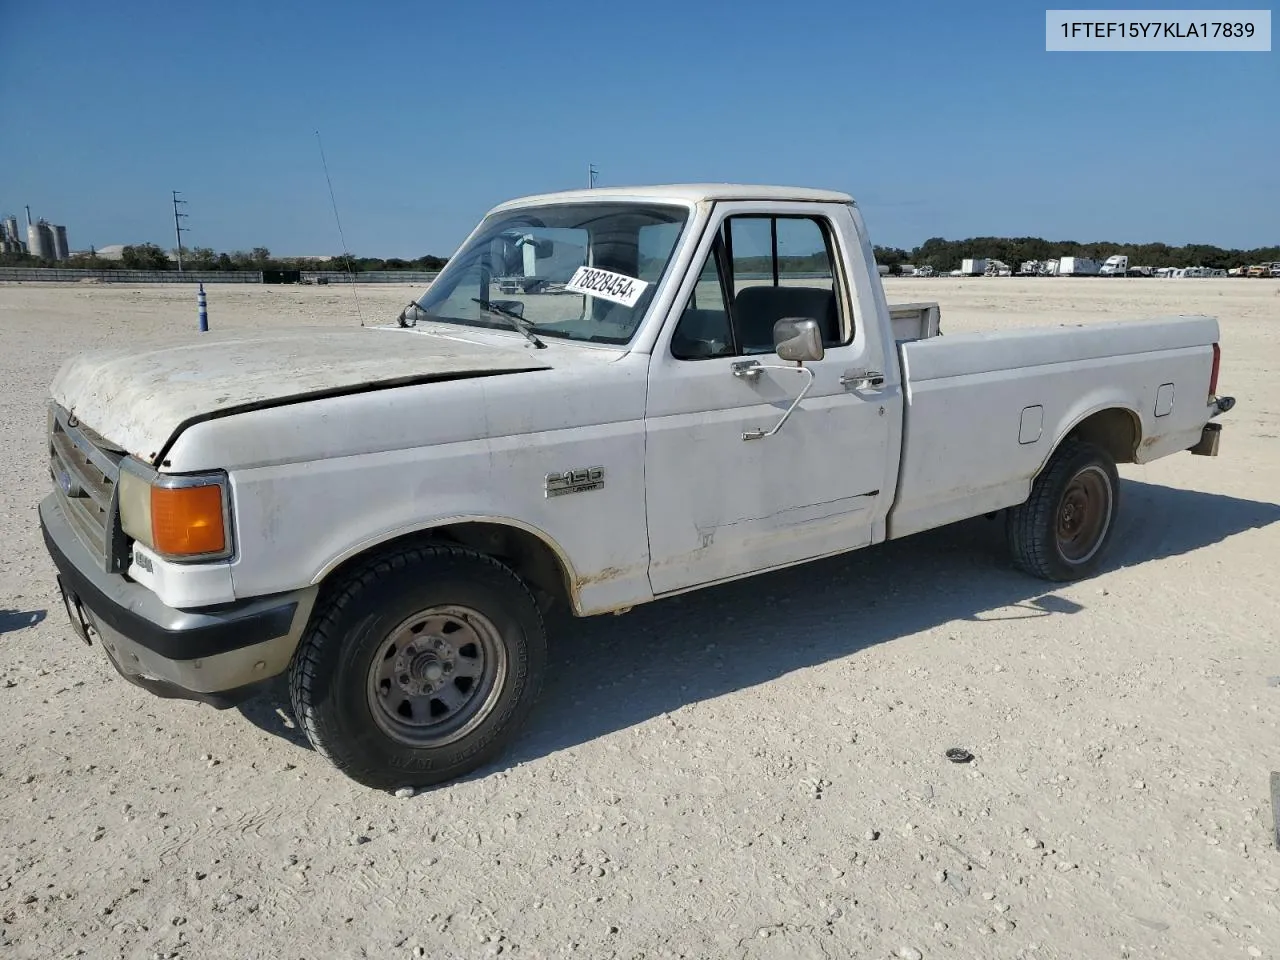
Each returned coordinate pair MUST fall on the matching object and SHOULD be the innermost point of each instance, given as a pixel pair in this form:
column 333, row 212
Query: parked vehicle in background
column 1114, row 266
column 606, row 397
column 972, row 267
column 1077, row 267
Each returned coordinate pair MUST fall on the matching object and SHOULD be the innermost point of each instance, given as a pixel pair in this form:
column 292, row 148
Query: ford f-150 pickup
column 606, row 397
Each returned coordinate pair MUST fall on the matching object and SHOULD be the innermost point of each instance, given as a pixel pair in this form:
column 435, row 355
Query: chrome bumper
column 218, row 655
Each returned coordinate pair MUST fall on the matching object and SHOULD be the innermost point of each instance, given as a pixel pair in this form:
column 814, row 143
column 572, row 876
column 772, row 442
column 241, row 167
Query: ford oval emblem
column 69, row 486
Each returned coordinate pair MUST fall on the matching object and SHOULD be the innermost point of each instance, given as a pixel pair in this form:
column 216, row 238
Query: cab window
column 761, row 269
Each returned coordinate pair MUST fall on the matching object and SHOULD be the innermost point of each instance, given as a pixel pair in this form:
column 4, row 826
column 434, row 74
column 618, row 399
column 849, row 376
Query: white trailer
column 973, row 268
column 1077, row 267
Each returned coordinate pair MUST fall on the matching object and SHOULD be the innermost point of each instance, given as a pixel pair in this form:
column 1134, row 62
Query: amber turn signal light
column 187, row 521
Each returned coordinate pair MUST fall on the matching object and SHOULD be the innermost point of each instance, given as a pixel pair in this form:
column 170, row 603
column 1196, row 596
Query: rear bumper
column 218, row 655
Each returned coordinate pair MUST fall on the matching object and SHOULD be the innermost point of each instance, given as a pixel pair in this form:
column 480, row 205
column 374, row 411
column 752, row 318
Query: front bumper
column 218, row 655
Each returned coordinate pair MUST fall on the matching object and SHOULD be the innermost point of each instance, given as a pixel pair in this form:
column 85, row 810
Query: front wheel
column 419, row 667
column 1061, row 532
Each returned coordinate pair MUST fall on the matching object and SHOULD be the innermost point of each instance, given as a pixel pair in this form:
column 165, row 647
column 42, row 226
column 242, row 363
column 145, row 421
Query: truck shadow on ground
column 609, row 673
column 14, row 620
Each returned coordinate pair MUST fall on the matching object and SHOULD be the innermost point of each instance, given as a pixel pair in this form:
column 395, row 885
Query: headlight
column 179, row 517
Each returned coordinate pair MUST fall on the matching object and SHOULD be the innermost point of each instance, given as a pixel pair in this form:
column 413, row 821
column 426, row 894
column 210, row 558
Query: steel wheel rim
column 1084, row 514
column 437, row 676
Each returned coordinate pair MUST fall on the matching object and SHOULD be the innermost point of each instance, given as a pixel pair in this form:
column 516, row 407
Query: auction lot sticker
column 1154, row 31
column 607, row 285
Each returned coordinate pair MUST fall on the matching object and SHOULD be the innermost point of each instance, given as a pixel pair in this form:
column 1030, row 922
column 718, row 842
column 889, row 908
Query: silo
column 46, row 239
column 11, row 228
column 35, row 241
column 60, row 248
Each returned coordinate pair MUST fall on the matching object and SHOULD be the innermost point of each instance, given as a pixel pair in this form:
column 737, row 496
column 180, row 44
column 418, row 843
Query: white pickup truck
column 606, row 397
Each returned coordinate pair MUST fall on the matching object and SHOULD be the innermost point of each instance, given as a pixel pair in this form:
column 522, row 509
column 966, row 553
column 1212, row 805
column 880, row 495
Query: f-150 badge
column 574, row 481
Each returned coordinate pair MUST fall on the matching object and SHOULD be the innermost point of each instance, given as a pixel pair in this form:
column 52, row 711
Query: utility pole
column 592, row 173
column 178, row 228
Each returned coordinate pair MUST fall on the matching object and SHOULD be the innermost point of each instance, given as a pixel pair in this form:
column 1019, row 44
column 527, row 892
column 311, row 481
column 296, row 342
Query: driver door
column 720, row 506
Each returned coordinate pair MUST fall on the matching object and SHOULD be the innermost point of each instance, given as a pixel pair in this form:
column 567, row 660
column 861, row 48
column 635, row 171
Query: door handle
column 748, row 370
column 863, row 378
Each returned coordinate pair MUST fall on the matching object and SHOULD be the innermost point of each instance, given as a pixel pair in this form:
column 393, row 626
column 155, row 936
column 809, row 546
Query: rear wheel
column 1061, row 532
column 419, row 667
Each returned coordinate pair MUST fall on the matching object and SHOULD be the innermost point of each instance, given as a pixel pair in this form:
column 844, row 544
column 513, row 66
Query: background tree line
column 941, row 254
column 945, row 255
column 149, row 256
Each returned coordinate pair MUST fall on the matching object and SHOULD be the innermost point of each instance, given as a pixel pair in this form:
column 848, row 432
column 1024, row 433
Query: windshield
column 576, row 271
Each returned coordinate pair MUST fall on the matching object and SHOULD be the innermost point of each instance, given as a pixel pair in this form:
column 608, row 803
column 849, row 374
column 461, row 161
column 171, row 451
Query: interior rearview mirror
column 798, row 339
column 543, row 249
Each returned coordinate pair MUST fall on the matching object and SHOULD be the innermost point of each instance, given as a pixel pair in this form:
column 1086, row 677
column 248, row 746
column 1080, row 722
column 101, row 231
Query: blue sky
column 943, row 119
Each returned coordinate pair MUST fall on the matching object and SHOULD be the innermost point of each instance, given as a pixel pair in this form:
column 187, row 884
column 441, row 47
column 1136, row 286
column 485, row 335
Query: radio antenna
column 345, row 252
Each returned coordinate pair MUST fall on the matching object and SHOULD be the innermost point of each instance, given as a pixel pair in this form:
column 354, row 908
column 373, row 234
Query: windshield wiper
column 518, row 322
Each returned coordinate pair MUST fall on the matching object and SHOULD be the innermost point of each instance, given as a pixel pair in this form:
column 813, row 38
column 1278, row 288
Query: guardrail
column 372, row 276
column 58, row 275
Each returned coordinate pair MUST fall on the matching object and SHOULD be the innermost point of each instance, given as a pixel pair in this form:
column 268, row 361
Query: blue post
column 204, row 311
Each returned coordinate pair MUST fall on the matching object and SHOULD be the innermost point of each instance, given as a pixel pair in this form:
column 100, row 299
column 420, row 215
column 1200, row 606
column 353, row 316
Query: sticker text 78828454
column 607, row 285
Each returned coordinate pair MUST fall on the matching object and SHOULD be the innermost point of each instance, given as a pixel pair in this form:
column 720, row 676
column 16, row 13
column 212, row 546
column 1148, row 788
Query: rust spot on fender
column 602, row 576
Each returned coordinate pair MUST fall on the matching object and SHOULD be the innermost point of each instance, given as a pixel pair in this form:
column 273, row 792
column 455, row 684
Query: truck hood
column 139, row 398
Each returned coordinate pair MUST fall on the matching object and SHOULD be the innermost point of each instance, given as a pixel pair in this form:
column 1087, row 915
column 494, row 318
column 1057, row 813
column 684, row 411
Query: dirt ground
column 753, row 771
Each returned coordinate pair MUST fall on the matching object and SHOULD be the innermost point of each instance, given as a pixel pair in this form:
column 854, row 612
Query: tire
column 1077, row 492
column 419, row 667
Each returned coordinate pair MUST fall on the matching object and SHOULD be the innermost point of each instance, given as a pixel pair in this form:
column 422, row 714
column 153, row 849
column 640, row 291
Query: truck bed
column 914, row 321
column 992, row 406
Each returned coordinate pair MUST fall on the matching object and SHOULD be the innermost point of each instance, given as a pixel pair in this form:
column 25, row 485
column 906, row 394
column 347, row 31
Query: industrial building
column 10, row 240
column 45, row 240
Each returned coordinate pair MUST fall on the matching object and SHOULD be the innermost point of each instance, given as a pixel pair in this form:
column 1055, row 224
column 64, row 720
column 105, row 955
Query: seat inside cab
column 757, row 308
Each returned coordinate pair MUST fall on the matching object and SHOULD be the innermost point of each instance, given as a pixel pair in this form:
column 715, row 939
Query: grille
column 84, row 469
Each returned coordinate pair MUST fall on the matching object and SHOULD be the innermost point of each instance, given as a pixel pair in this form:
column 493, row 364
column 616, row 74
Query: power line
column 178, row 228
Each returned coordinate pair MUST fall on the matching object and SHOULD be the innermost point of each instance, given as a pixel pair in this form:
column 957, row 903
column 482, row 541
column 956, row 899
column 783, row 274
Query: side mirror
column 798, row 339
